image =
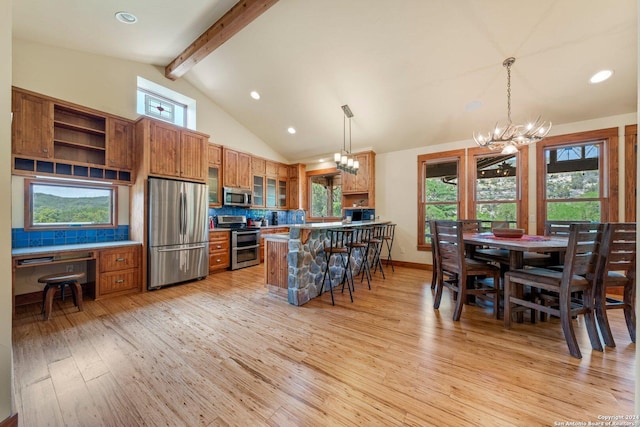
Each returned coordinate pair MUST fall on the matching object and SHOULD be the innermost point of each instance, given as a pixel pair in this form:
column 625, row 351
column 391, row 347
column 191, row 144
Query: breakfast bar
column 295, row 262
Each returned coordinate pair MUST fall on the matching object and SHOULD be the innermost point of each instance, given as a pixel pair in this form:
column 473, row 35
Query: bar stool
column 359, row 243
column 340, row 240
column 388, row 237
column 60, row 281
column 375, row 245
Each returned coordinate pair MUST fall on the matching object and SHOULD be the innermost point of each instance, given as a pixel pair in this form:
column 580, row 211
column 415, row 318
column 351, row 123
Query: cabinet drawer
column 119, row 281
column 219, row 260
column 119, row 258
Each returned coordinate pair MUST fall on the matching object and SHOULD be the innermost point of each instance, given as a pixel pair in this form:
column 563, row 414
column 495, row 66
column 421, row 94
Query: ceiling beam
column 238, row 17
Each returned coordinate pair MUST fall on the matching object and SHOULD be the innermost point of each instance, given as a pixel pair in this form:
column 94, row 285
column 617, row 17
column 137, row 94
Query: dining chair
column 616, row 268
column 450, row 251
column 359, row 244
column 578, row 275
column 559, row 227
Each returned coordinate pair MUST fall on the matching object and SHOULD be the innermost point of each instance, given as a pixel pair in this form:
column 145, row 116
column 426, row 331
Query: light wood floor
column 223, row 352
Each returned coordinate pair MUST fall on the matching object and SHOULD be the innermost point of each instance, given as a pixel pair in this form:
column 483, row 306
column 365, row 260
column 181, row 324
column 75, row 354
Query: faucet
column 303, row 215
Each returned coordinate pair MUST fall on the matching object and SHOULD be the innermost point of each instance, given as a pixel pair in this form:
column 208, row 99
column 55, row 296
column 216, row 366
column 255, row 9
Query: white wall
column 397, row 183
column 5, row 210
column 109, row 84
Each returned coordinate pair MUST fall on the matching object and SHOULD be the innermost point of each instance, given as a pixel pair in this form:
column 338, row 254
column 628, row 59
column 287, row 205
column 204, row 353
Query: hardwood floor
column 223, row 352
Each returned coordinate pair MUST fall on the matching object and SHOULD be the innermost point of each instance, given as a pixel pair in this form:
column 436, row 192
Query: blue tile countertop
column 65, row 248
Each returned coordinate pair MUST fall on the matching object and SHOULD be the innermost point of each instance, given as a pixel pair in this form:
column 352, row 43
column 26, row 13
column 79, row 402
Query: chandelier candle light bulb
column 509, row 136
column 344, row 159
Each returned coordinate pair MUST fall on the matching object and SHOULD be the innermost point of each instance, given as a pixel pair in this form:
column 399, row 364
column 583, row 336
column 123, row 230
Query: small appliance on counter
column 274, row 218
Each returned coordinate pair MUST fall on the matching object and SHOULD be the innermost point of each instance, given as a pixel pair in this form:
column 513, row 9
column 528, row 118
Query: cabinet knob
column 119, row 259
column 219, row 246
column 218, row 260
column 120, row 281
column 45, row 150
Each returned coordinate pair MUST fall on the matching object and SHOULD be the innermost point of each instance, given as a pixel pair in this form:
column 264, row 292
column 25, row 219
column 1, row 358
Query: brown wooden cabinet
column 54, row 137
column 214, row 177
column 120, row 153
column 271, row 230
column 32, row 125
column 176, row 152
column 236, row 167
column 297, row 189
column 360, row 188
column 219, row 256
column 119, row 271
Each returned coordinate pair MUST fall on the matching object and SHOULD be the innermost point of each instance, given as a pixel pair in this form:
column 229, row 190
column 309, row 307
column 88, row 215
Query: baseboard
column 416, row 265
column 12, row 421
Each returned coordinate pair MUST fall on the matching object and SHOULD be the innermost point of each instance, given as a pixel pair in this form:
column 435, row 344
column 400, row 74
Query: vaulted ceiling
column 414, row 72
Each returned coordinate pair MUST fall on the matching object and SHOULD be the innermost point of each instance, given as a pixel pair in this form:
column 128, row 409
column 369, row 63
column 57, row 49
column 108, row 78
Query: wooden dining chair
column 578, row 276
column 616, row 268
column 452, row 262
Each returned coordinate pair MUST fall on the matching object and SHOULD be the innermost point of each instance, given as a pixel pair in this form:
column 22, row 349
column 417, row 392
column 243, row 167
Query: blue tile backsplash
column 29, row 239
column 284, row 217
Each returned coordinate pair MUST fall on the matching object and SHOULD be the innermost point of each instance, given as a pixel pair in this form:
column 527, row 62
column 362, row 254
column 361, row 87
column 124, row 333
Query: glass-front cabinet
column 282, row 193
column 258, row 191
column 272, row 190
column 213, row 180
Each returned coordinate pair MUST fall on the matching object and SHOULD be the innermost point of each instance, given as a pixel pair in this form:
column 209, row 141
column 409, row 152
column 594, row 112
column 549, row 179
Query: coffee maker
column 274, row 218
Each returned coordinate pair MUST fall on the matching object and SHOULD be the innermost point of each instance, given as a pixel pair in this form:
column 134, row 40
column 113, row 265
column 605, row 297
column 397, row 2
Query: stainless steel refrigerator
column 178, row 232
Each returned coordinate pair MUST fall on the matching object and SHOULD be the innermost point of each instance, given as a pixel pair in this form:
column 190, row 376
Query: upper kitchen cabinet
column 360, row 189
column 173, row 151
column 236, row 167
column 32, row 126
column 120, row 151
column 258, row 171
column 214, row 178
column 58, row 138
column 297, row 187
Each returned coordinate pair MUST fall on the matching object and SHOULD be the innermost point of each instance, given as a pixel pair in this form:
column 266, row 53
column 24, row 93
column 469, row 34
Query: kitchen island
column 295, row 263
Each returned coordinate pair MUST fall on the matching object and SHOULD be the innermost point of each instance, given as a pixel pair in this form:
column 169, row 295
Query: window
column 165, row 104
column 325, row 194
column 497, row 193
column 578, row 177
column 441, row 190
column 66, row 204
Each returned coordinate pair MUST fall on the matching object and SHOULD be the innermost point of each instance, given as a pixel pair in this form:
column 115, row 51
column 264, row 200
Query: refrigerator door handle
column 182, row 249
column 183, row 217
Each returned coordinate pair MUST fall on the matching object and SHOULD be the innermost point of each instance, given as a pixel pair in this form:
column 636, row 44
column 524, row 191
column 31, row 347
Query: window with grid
column 578, row 177
column 441, row 189
column 325, row 195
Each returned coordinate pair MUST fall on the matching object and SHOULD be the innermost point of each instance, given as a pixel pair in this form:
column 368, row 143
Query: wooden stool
column 60, row 280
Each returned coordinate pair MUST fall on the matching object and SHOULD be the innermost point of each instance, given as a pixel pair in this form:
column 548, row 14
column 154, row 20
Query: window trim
column 609, row 170
column 630, row 172
column 28, row 207
column 522, row 182
column 423, row 159
column 308, row 175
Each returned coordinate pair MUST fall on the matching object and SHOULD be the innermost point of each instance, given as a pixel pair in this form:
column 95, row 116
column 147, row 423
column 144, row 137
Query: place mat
column 525, row 237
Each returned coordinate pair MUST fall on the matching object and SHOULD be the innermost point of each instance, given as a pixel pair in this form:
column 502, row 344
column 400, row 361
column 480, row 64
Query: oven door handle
column 244, row 233
column 241, row 248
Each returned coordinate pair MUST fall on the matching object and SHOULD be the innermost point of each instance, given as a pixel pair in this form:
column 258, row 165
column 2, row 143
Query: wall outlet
column 402, row 250
column 70, row 268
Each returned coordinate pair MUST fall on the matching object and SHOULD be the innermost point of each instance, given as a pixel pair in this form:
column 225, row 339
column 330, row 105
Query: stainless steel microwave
column 236, row 197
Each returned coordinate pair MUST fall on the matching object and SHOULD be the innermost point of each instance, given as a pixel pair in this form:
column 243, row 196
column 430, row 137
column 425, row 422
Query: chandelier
column 508, row 136
column 344, row 159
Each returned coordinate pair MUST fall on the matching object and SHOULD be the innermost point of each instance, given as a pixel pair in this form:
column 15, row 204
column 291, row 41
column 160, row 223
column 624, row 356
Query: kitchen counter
column 39, row 250
column 293, row 261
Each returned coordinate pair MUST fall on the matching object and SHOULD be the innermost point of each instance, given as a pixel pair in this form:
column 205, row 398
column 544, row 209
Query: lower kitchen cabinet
column 219, row 256
column 119, row 271
column 272, row 230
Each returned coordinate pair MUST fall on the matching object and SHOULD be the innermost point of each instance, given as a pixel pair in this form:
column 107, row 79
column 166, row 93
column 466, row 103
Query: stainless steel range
column 245, row 241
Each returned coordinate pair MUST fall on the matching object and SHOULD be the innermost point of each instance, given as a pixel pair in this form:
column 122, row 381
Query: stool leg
column 76, row 290
column 48, row 305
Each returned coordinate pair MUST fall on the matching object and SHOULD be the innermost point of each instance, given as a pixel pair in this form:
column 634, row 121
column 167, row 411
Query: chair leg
column 507, row 301
column 496, row 297
column 324, row 277
column 590, row 321
column 630, row 308
column 438, row 296
column 345, row 275
column 603, row 319
column 567, row 326
column 462, row 296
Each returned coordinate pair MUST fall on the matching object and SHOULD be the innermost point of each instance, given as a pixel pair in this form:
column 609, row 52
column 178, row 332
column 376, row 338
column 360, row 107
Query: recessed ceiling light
column 601, row 76
column 291, row 130
column 126, row 17
column 255, row 95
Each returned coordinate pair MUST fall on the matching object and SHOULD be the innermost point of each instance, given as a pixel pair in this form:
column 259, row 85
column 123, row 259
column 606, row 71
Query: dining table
column 517, row 246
